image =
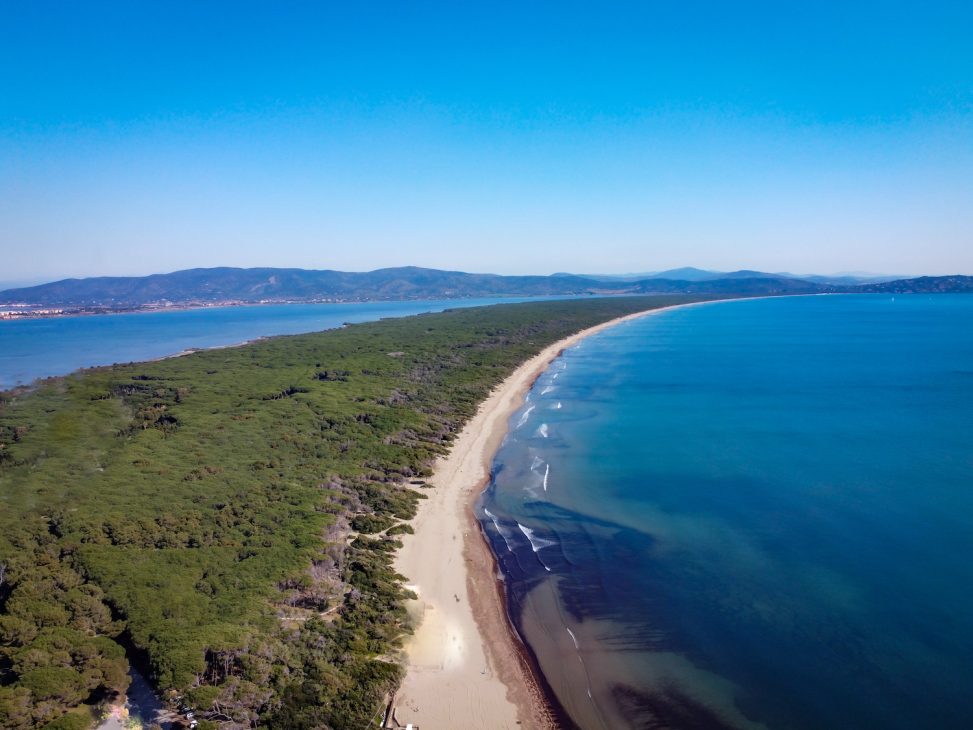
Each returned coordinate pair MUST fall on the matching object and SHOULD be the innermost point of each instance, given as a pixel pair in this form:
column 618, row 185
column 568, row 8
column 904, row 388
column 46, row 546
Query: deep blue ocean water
column 750, row 514
column 37, row 348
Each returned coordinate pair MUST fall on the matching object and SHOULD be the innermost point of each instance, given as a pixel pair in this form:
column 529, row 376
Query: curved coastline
column 466, row 664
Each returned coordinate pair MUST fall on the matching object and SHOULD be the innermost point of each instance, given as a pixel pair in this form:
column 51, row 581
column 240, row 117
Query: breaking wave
column 536, row 543
column 500, row 530
column 524, row 416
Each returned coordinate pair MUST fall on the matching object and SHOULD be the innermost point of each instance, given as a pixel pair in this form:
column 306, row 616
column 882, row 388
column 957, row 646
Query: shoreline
column 465, row 664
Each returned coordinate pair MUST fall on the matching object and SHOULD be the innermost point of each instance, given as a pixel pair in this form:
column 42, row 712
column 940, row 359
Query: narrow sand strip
column 464, row 669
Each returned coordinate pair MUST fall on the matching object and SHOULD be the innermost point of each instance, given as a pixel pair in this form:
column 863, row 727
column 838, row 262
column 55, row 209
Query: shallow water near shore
column 752, row 514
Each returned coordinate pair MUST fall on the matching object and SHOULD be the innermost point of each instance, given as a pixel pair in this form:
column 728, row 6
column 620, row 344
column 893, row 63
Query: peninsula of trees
column 227, row 519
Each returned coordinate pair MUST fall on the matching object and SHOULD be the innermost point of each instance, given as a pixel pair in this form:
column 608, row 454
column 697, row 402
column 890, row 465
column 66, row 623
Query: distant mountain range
column 226, row 285
column 690, row 273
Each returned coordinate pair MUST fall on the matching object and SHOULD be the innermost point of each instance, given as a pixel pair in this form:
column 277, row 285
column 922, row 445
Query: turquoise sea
column 39, row 348
column 753, row 514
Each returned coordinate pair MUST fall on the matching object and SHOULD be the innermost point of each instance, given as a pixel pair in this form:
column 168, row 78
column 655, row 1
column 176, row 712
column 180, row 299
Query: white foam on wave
column 547, row 389
column 573, row 637
column 524, row 416
column 547, row 471
column 554, row 377
column 536, row 464
column 558, row 406
column 577, row 648
column 536, row 543
column 542, row 430
column 500, row 530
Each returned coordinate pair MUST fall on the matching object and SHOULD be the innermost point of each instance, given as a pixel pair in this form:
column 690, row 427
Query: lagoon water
column 753, row 514
column 38, row 348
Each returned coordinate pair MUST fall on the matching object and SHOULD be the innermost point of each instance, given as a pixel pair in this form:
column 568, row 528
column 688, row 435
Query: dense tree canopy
column 227, row 514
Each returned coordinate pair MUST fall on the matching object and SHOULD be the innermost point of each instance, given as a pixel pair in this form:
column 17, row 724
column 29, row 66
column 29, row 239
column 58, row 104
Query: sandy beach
column 464, row 665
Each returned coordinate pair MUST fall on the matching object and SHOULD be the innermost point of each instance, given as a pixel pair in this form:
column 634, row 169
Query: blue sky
column 514, row 138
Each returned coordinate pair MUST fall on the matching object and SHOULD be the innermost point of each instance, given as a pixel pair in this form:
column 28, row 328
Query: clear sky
column 138, row 137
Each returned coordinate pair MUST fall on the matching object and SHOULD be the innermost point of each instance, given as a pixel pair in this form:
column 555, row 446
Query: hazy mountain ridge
column 691, row 273
column 226, row 284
